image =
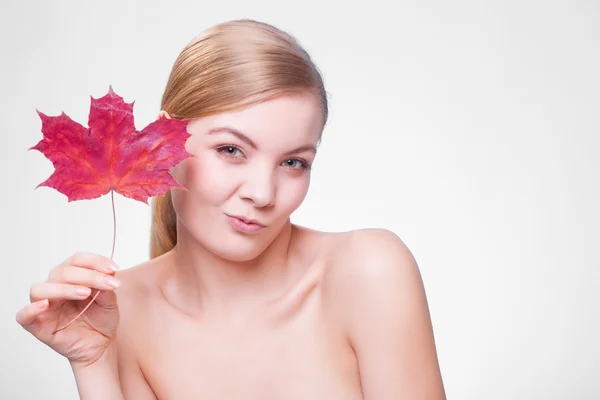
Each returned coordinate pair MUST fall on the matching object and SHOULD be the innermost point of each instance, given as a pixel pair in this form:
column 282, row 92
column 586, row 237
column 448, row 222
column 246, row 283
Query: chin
column 239, row 253
column 228, row 246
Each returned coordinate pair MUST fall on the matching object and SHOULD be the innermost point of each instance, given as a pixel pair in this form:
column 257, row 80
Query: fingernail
column 43, row 304
column 113, row 267
column 112, row 282
column 83, row 291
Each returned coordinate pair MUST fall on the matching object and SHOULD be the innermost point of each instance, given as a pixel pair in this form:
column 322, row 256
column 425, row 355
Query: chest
column 300, row 356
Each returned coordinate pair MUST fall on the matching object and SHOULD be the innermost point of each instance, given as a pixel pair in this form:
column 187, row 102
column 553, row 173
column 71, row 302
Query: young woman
column 237, row 302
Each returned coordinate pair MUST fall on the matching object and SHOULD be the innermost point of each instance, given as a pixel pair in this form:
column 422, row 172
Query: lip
column 243, row 224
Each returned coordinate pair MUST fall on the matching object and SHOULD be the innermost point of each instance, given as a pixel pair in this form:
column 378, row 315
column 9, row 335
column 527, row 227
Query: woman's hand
column 61, row 298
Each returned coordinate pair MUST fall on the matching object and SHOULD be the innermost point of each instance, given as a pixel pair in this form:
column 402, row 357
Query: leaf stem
column 112, row 254
column 112, row 199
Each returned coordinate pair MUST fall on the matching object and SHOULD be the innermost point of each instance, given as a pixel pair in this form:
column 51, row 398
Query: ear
column 164, row 114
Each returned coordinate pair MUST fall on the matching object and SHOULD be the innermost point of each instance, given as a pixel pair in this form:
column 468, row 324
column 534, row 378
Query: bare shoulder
column 368, row 258
column 135, row 298
column 375, row 291
column 366, row 269
column 137, row 283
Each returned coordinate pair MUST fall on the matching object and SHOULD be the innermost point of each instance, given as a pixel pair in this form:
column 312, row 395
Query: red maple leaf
column 111, row 154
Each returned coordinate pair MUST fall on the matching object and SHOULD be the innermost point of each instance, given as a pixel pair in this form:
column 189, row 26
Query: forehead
column 284, row 121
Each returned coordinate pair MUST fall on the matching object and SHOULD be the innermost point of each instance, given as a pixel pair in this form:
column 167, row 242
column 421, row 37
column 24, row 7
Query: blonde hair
column 230, row 65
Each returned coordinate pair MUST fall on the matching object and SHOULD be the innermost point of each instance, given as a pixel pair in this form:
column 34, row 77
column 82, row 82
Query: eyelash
column 222, row 150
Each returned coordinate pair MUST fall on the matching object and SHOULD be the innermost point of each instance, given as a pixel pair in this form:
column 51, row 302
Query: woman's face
column 253, row 163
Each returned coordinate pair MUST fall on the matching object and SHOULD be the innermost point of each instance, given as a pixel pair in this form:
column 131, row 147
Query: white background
column 471, row 129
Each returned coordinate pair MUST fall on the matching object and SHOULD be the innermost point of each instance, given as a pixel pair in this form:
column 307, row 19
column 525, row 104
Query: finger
column 58, row 291
column 84, row 277
column 28, row 314
column 91, row 261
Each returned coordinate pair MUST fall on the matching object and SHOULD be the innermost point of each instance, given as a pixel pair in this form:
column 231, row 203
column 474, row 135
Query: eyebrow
column 244, row 138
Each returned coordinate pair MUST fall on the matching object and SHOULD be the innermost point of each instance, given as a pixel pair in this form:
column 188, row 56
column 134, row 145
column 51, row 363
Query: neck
column 204, row 281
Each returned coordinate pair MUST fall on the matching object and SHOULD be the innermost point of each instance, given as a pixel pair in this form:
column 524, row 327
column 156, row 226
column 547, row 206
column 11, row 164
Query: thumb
column 107, row 299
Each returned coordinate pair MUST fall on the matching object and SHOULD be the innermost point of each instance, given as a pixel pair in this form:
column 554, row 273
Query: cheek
column 204, row 178
column 291, row 194
column 205, row 194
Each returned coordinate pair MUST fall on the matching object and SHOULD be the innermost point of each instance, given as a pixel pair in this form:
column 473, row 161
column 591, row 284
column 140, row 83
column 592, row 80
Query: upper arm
column 387, row 319
column 133, row 382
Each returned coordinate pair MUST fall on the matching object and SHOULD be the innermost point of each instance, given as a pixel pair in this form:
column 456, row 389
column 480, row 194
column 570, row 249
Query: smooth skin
column 284, row 313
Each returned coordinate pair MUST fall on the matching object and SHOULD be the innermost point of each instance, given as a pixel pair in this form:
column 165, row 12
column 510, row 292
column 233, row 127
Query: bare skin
column 282, row 313
column 292, row 346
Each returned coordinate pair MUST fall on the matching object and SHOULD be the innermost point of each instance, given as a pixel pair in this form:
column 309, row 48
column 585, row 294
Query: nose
column 259, row 187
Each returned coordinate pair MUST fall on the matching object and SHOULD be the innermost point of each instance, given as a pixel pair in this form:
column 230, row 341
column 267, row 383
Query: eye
column 296, row 163
column 230, row 151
